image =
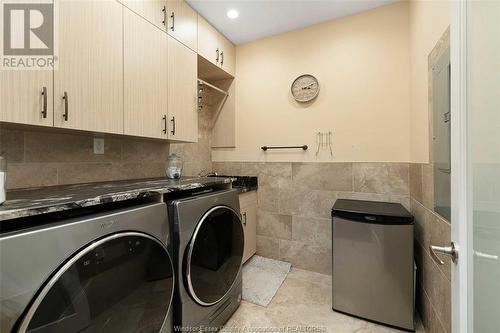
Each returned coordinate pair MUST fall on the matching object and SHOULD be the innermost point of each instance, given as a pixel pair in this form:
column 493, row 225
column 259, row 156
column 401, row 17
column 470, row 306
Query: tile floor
column 304, row 299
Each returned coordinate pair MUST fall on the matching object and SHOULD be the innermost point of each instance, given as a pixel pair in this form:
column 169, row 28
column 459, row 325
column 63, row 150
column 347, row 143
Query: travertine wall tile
column 428, row 186
column 144, row 151
column 197, row 157
column 48, row 157
column 438, row 288
column 384, row 178
column 21, row 175
column 301, row 201
column 305, row 256
column 429, row 318
column 274, row 225
column 433, row 281
column 12, row 145
column 228, row 168
column 55, row 147
column 440, row 233
column 416, row 181
column 270, row 174
column 312, row 231
column 323, row 176
column 268, row 247
column 295, row 202
column 267, row 198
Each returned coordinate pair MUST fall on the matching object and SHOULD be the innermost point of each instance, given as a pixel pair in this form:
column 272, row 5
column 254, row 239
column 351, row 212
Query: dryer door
column 214, row 256
column 121, row 283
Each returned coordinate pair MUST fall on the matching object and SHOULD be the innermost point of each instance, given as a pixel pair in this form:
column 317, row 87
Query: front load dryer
column 208, row 252
column 102, row 272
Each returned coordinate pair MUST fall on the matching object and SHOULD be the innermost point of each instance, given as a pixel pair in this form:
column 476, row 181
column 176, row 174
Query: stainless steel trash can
column 373, row 269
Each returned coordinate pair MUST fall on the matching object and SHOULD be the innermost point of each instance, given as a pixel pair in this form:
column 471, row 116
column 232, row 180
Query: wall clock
column 305, row 88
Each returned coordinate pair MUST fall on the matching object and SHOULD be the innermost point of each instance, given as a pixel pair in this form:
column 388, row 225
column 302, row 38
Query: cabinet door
column 26, row 97
column 183, row 23
column 145, row 77
column 155, row 11
column 208, row 41
column 88, row 86
column 182, row 92
column 248, row 204
column 228, row 55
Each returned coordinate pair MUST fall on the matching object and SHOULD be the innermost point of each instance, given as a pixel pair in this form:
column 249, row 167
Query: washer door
column 214, row 256
column 121, row 283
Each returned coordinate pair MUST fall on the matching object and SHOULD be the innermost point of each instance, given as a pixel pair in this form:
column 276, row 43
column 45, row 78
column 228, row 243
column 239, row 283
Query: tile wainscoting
column 295, row 201
column 433, row 281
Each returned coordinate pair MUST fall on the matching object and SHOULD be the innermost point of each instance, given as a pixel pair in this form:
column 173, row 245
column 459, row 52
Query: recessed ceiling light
column 232, row 14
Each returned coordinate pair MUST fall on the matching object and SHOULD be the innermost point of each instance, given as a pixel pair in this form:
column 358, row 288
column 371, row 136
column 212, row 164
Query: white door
column 475, row 63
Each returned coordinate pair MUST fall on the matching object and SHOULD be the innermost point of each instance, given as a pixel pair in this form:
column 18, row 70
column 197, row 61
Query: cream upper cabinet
column 155, row 11
column 26, row 97
column 182, row 23
column 214, row 47
column 88, row 86
column 182, row 92
column 145, row 77
column 208, row 41
column 227, row 56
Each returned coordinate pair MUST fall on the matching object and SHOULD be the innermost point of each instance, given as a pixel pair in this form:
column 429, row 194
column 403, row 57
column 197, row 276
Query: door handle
column 173, row 125
column 245, row 219
column 487, row 256
column 449, row 251
column 221, row 58
column 66, row 110
column 44, row 102
column 164, row 124
column 217, row 55
column 164, row 11
column 172, row 16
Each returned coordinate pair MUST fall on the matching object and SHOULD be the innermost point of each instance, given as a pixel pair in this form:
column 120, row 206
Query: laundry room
column 249, row 166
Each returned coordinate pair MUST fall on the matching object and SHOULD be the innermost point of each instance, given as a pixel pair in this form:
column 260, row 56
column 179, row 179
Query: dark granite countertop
column 44, row 200
column 244, row 183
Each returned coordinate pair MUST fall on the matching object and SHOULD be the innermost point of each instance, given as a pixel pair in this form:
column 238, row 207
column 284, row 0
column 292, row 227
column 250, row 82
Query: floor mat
column 262, row 278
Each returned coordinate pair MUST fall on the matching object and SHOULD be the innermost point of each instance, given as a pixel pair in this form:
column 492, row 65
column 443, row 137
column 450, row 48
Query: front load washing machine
column 105, row 272
column 208, row 251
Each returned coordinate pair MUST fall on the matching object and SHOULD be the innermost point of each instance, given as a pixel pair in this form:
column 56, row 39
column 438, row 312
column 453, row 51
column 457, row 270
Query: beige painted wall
column 427, row 20
column 362, row 63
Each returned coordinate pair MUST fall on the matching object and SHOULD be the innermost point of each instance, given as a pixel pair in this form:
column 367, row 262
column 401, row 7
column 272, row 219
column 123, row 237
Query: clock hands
column 308, row 86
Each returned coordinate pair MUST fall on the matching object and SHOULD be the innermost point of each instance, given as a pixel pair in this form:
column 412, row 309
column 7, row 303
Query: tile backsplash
column 45, row 158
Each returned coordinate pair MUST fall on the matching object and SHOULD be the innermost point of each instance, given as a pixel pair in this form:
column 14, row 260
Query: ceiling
column 262, row 18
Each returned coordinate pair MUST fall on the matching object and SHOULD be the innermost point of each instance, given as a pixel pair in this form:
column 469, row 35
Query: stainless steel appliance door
column 214, row 256
column 373, row 271
column 121, row 283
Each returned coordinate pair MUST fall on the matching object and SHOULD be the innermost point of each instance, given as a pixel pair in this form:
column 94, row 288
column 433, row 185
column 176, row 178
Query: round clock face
column 305, row 88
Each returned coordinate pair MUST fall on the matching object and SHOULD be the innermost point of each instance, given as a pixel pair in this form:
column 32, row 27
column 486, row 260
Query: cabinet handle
column 245, row 219
column 172, row 16
column 164, row 124
column 217, row 55
column 66, row 108
column 173, row 126
column 164, row 11
column 221, row 58
column 44, row 102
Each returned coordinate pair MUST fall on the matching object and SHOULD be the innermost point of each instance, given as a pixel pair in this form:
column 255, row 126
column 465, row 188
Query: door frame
column 461, row 189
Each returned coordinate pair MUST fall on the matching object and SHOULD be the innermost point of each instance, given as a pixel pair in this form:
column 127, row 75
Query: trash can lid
column 372, row 211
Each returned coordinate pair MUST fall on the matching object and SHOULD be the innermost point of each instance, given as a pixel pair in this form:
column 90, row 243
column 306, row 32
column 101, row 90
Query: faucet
column 203, row 173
